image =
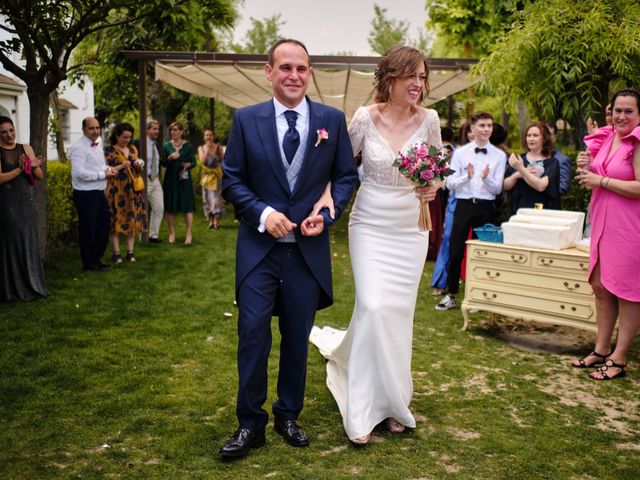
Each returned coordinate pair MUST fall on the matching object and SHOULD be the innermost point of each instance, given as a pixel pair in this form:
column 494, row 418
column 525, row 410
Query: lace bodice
column 377, row 155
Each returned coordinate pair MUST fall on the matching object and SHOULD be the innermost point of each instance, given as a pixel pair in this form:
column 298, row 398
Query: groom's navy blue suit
column 290, row 280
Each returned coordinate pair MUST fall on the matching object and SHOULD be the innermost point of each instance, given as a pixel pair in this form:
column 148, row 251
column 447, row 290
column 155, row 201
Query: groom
column 280, row 157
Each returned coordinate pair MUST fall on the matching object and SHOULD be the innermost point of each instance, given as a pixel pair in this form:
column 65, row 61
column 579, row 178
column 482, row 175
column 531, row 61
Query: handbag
column 138, row 181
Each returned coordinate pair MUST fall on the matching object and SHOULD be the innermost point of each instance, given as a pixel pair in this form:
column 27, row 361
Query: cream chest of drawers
column 548, row 286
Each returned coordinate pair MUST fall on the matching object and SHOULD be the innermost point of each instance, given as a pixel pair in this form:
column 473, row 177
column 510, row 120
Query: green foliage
column 61, row 216
column 188, row 25
column 469, row 27
column 560, row 56
column 261, row 35
column 385, row 33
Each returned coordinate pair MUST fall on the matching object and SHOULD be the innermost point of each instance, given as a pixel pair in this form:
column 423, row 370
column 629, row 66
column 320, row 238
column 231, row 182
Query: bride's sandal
column 361, row 440
column 602, row 371
column 394, row 426
column 583, row 364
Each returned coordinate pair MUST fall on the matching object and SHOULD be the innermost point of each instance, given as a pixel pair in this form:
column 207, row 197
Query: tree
column 46, row 33
column 386, row 33
column 562, row 56
column 261, row 35
column 469, row 25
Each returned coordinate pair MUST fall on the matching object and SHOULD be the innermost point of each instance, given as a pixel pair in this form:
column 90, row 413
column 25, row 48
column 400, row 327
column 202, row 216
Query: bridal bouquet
column 424, row 165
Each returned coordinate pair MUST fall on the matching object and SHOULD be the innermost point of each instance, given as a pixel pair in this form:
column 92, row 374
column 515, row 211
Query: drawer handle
column 545, row 261
column 517, row 258
column 481, row 253
column 487, row 295
column 569, row 287
column 573, row 309
column 562, row 307
column 492, row 275
column 583, row 266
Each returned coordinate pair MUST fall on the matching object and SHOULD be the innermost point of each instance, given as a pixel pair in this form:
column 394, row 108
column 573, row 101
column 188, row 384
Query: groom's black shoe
column 243, row 440
column 292, row 433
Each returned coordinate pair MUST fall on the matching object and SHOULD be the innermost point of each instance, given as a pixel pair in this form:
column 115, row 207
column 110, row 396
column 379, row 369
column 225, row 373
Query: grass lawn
column 131, row 373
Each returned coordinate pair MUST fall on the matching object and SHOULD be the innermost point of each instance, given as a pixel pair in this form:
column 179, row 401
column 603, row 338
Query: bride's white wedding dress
column 369, row 365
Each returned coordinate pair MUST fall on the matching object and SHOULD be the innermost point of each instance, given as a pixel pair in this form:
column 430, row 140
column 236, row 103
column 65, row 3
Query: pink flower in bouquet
column 427, row 175
column 423, row 164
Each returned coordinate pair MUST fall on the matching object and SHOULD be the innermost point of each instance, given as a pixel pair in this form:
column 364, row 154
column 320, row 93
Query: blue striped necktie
column 291, row 138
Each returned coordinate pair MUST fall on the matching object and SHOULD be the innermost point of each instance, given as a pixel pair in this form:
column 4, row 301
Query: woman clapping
column 611, row 168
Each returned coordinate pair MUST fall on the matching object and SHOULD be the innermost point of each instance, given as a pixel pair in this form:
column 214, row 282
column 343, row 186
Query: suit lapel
column 266, row 127
column 316, row 121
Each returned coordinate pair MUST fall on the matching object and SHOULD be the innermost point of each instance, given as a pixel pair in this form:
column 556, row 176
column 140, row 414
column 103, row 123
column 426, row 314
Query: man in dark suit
column 280, row 157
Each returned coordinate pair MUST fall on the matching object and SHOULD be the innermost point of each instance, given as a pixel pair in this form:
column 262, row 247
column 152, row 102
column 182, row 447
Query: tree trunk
column 55, row 106
column 523, row 118
column 39, row 118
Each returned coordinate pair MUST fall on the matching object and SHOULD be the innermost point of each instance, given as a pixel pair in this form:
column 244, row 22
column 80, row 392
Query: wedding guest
column 534, row 177
column 21, row 270
column 441, row 266
column 178, row 158
column 369, row 366
column 499, row 138
column 154, row 186
column 566, row 174
column 211, row 154
column 592, row 125
column 88, row 177
column 126, row 205
column 479, row 170
column 610, row 167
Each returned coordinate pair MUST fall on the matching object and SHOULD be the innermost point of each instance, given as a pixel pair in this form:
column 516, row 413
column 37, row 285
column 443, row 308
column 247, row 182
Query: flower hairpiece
column 323, row 135
column 377, row 73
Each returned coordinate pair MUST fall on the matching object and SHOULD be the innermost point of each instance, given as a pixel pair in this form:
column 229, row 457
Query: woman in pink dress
column 611, row 168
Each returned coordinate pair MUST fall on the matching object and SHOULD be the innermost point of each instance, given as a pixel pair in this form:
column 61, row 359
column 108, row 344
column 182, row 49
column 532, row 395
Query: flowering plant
column 323, row 135
column 424, row 165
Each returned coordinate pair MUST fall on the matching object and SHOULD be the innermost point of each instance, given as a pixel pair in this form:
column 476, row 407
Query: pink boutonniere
column 322, row 136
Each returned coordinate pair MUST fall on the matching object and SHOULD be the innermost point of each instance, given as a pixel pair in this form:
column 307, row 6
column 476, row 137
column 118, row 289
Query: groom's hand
column 278, row 225
column 312, row 226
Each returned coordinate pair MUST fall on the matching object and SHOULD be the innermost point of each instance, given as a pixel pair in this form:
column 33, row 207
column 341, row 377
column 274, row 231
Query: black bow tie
column 481, row 150
column 94, row 144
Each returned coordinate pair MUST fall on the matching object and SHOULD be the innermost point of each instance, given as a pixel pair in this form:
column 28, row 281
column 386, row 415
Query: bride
column 369, row 365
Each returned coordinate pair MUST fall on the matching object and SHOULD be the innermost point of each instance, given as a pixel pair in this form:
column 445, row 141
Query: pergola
column 344, row 82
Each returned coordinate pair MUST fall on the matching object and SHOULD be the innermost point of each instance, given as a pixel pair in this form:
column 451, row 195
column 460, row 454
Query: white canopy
column 343, row 82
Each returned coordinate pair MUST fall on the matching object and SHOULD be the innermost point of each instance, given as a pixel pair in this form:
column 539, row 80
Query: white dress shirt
column 302, row 126
column 154, row 166
column 477, row 187
column 87, row 165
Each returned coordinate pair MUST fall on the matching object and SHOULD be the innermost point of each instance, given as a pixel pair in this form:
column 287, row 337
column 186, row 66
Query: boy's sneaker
column 447, row 303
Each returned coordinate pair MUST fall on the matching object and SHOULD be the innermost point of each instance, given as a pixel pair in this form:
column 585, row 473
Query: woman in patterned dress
column 127, row 207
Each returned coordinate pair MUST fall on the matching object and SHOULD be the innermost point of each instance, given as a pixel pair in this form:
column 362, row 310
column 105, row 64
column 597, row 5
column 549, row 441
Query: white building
column 76, row 104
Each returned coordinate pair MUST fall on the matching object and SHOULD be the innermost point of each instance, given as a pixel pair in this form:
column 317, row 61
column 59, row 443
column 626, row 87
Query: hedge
column 62, row 220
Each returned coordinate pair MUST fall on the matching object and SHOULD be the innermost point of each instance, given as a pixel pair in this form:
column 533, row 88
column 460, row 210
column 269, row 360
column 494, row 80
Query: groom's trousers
column 281, row 283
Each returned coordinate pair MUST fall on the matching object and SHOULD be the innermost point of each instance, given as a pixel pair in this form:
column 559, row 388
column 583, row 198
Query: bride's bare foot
column 394, row 426
column 361, row 440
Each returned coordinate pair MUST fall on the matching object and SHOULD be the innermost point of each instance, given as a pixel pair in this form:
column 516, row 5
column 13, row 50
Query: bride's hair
column 399, row 61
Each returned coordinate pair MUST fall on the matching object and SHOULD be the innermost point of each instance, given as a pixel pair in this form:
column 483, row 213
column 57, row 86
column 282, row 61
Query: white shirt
column 302, row 126
column 154, row 170
column 477, row 187
column 87, row 165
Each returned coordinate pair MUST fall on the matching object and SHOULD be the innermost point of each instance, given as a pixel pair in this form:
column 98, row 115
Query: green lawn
column 131, row 373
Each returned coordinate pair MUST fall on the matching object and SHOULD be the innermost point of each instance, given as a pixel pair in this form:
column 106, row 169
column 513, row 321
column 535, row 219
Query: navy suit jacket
column 254, row 177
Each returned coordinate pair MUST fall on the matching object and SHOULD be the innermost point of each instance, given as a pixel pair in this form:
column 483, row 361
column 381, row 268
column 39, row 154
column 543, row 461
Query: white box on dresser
column 547, row 286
